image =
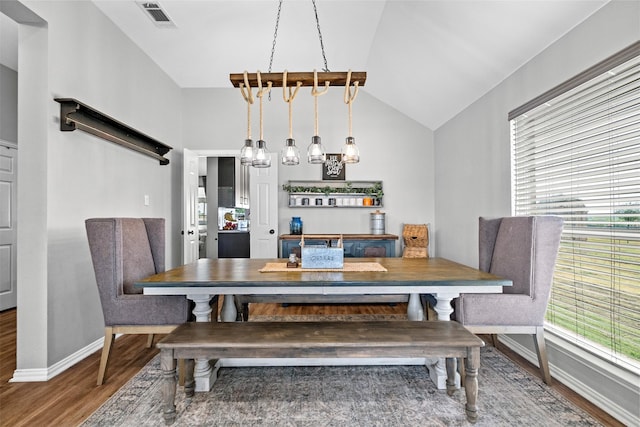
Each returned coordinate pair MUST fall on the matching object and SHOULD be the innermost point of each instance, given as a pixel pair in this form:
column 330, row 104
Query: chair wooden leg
column 213, row 303
column 150, row 341
column 106, row 352
column 541, row 350
column 494, row 340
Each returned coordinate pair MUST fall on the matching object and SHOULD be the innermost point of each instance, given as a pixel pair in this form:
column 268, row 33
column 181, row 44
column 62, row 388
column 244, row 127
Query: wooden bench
column 319, row 340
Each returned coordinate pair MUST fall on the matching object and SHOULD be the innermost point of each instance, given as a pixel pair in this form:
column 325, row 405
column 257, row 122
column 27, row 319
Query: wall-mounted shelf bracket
column 76, row 115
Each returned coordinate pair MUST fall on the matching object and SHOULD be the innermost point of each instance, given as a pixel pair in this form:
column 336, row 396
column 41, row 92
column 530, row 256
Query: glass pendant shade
column 315, row 152
column 262, row 158
column 290, row 153
column 246, row 154
column 350, row 151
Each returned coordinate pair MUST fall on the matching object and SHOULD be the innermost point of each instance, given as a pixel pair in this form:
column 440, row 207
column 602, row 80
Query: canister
column 295, row 225
column 377, row 222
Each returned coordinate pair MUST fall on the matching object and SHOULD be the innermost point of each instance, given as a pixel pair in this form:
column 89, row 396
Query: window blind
column 577, row 155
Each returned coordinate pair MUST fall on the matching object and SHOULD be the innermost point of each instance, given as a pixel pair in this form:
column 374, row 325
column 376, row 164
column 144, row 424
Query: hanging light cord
column 275, row 36
column 324, row 57
column 288, row 98
column 316, row 93
column 260, row 94
column 350, row 97
column 247, row 94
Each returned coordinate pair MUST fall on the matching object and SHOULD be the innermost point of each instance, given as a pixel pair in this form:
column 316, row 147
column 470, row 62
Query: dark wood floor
column 70, row 397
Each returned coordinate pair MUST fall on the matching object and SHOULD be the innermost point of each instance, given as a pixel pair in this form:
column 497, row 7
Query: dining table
column 200, row 281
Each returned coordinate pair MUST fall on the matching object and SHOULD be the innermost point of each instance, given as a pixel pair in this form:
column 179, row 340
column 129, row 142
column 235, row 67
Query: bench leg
column 472, row 363
column 451, row 375
column 189, row 382
column 168, row 365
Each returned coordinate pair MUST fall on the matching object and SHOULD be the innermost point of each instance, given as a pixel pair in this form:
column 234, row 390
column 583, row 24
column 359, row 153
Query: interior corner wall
column 393, row 148
column 67, row 177
column 472, row 150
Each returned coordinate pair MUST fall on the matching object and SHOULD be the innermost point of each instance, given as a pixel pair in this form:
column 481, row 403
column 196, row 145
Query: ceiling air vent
column 154, row 11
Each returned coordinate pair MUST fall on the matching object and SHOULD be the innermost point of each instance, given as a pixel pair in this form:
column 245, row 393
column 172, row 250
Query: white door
column 8, row 223
column 263, row 194
column 190, row 207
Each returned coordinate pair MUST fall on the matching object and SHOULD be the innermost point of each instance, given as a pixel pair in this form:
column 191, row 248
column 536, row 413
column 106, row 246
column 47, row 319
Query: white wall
column 393, row 148
column 66, row 177
column 473, row 179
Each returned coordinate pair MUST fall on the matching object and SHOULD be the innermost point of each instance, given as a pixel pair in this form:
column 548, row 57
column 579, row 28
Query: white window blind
column 577, row 155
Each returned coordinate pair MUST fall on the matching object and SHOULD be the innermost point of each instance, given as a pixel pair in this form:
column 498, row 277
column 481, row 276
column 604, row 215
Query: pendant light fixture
column 290, row 153
column 350, row 152
column 247, row 152
column 258, row 156
column 315, row 152
column 262, row 157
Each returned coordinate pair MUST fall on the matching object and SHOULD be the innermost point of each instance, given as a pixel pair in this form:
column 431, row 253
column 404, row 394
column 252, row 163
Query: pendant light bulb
column 246, row 154
column 350, row 151
column 262, row 157
column 315, row 152
column 290, row 153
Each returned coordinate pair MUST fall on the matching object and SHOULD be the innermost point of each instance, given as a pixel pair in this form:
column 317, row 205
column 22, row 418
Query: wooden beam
column 336, row 78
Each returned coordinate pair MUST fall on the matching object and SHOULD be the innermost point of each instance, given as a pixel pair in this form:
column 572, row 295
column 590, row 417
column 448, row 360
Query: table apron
column 318, row 290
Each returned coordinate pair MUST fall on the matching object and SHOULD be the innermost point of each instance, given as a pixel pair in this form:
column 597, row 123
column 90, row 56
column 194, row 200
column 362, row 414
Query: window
column 576, row 153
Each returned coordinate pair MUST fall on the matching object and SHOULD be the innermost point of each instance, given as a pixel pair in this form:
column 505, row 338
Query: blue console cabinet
column 355, row 245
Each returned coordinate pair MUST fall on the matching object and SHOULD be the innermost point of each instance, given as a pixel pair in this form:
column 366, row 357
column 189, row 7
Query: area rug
column 344, row 396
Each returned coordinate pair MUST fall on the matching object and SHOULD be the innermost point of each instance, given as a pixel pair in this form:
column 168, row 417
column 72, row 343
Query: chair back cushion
column 525, row 251
column 513, row 254
column 137, row 258
column 488, row 232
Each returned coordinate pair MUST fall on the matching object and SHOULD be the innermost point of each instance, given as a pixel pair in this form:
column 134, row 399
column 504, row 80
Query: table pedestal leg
column 415, row 311
column 437, row 367
column 203, row 374
column 229, row 311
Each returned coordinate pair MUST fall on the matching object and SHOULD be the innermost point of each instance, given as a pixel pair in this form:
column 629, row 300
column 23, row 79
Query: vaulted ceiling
column 427, row 59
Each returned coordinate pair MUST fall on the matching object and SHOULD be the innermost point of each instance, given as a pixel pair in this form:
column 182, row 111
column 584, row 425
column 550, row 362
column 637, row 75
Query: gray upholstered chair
column 523, row 249
column 124, row 250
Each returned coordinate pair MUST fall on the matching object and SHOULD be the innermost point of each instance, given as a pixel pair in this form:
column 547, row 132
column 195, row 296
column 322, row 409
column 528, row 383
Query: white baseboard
column 45, row 374
column 587, row 363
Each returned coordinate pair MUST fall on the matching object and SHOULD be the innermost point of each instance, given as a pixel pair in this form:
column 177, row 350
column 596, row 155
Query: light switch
column 146, row 200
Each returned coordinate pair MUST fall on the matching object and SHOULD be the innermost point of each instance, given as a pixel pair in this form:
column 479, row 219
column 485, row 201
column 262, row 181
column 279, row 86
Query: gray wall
column 393, row 148
column 68, row 177
column 473, row 179
column 472, row 151
column 8, row 104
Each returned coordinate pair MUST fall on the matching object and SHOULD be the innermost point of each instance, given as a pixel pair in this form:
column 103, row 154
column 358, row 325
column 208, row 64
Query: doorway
column 262, row 199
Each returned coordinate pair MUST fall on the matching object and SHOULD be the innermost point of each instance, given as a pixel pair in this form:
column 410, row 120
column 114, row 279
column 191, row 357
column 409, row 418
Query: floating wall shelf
column 330, row 194
column 76, row 115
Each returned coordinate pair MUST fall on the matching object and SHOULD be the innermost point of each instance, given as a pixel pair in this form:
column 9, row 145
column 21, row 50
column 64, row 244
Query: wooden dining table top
column 400, row 272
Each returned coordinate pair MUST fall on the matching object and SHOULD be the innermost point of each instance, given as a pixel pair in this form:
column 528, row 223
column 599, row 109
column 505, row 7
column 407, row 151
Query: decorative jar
column 295, row 226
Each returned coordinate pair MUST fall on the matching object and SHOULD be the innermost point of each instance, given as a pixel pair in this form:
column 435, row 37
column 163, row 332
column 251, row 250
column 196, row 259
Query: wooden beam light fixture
column 290, row 155
column 335, row 78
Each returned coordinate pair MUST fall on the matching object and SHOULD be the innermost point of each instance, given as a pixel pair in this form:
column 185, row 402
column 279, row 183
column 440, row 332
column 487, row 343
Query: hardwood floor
column 70, row 397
